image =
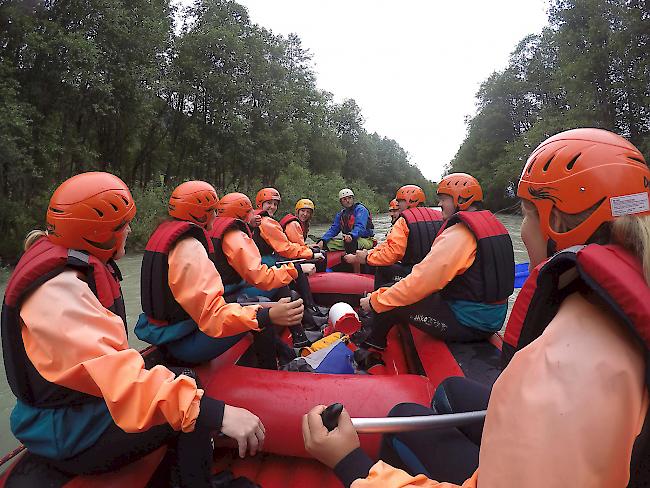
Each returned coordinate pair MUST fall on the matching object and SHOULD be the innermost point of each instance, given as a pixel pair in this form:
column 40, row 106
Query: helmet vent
column 114, row 206
column 636, row 159
column 530, row 166
column 99, row 212
column 548, row 163
column 126, row 201
column 572, row 162
column 56, row 210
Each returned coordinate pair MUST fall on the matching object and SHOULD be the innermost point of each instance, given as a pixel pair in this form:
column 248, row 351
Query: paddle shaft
column 298, row 261
column 390, row 425
column 261, row 304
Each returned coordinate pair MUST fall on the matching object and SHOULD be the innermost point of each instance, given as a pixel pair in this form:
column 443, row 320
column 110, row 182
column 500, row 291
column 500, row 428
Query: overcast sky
column 413, row 66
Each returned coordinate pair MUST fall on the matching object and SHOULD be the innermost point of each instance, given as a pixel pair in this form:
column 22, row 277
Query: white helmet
column 345, row 192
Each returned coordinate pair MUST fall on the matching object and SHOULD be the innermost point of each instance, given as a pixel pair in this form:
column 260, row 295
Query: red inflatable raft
column 415, row 365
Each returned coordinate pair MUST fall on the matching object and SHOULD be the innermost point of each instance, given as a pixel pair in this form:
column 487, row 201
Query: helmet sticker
column 629, row 204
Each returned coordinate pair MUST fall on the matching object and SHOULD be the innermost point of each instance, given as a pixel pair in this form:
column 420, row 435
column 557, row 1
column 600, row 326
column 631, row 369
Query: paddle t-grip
column 330, row 416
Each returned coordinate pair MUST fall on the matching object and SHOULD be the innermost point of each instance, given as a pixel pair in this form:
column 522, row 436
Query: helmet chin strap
column 551, row 247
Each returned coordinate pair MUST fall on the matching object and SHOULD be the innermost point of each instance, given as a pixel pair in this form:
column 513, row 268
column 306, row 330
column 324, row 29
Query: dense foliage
column 159, row 96
column 588, row 68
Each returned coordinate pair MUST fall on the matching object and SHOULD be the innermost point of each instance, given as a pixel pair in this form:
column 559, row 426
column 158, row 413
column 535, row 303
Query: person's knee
column 440, row 402
column 459, row 394
column 409, row 410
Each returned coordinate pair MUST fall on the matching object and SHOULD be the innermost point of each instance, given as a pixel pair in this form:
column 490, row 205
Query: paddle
column 409, row 424
column 298, row 261
column 391, row 425
column 261, row 304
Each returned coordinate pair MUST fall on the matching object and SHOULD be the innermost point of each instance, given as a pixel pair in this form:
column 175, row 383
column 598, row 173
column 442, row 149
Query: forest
column 159, row 95
column 589, row 67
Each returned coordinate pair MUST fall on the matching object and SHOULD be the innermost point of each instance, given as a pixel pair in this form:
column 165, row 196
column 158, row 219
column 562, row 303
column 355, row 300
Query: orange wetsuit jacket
column 393, row 248
column 574, row 424
column 451, row 254
column 197, row 287
column 293, row 230
column 271, row 231
column 242, row 254
column 81, row 345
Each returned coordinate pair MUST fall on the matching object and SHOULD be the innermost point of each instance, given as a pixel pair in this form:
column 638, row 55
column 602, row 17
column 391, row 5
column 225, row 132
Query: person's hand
column 347, row 237
column 287, row 313
column 321, row 244
column 328, row 447
column 247, row 429
column 319, row 256
column 362, row 256
column 308, row 268
column 365, row 304
column 255, row 221
column 349, row 258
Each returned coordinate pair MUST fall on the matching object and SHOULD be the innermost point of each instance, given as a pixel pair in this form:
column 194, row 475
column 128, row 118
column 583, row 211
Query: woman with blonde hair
column 86, row 403
column 571, row 407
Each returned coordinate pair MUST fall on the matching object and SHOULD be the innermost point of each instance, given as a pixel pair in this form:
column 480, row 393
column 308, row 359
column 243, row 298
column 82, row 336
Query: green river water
column 130, row 267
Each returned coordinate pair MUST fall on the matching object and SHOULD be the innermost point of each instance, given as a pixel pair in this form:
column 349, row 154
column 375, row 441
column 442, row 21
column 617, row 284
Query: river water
column 130, row 267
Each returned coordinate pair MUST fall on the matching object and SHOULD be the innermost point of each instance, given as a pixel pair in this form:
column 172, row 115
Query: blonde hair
column 629, row 231
column 32, row 237
column 633, row 233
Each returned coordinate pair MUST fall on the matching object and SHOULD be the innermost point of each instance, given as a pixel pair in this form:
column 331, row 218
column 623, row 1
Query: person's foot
column 299, row 339
column 316, row 324
column 360, row 335
column 366, row 359
column 320, row 311
column 363, row 314
column 313, row 335
column 299, row 344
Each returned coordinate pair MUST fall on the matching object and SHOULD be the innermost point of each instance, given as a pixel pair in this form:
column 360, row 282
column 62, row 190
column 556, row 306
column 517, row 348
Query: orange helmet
column 235, row 205
column 463, row 188
column 393, row 205
column 585, row 169
column 87, row 211
column 192, row 201
column 413, row 195
column 266, row 194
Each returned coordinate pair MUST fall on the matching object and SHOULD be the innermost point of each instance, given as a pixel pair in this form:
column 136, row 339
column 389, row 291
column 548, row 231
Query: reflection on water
column 130, row 267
